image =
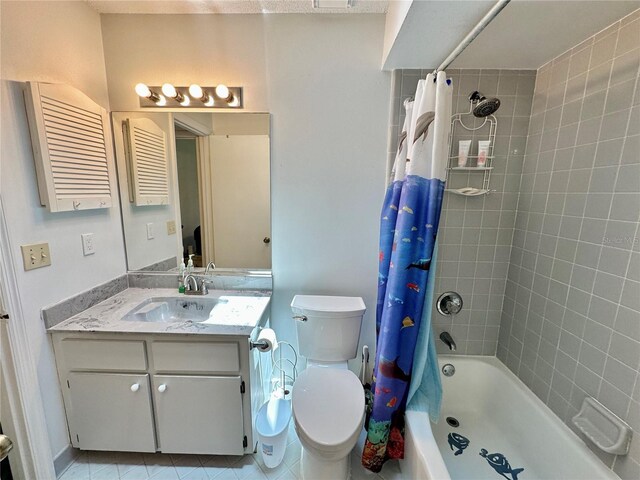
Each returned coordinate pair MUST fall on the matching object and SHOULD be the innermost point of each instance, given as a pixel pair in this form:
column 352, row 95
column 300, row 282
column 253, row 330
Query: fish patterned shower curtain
column 408, row 227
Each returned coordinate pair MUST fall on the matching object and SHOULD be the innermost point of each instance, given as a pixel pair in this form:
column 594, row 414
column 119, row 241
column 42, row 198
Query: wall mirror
column 194, row 184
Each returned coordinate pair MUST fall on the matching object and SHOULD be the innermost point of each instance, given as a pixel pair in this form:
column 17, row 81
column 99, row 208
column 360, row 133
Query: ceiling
column 525, row 35
column 230, row 6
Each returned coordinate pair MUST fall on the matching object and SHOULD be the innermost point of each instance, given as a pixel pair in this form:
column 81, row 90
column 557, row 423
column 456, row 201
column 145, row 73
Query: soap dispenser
column 190, row 264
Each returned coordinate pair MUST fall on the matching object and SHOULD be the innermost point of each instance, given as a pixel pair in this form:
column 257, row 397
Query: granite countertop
column 238, row 313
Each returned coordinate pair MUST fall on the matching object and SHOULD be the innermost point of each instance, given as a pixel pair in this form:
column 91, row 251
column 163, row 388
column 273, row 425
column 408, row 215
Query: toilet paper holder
column 259, row 344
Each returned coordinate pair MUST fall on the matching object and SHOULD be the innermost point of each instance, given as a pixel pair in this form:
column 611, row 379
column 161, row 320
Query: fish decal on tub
column 458, row 441
column 501, row 465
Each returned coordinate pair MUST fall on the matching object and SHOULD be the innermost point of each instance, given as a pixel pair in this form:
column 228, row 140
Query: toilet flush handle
column 301, row 318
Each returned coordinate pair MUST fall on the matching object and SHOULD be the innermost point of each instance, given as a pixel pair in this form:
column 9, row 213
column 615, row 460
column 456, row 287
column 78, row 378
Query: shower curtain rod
column 480, row 26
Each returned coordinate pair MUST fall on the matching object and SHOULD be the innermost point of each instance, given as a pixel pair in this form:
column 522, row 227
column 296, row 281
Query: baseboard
column 64, row 459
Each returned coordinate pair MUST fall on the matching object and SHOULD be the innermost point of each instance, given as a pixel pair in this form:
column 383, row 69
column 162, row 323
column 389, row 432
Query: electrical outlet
column 88, row 247
column 171, row 227
column 36, row 255
column 150, row 233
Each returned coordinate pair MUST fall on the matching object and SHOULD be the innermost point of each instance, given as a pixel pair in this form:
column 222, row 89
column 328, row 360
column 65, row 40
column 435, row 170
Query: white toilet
column 328, row 399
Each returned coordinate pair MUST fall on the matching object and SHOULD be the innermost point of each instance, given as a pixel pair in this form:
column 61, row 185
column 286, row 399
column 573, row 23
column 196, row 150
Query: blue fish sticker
column 501, row 465
column 458, row 441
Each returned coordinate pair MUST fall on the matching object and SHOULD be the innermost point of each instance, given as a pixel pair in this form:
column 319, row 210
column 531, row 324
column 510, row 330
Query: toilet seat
column 328, row 408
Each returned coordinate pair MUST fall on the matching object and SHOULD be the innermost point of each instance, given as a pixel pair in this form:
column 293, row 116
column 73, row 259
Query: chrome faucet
column 448, row 340
column 192, row 288
column 210, row 264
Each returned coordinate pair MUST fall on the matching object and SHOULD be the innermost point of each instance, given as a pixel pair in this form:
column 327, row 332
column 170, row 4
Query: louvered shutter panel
column 72, row 153
column 148, row 164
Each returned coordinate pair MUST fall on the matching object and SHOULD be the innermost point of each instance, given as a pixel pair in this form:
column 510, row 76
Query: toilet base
column 315, row 468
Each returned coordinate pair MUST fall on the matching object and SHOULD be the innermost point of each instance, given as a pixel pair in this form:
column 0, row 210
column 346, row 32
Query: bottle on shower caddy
column 463, row 152
column 483, row 152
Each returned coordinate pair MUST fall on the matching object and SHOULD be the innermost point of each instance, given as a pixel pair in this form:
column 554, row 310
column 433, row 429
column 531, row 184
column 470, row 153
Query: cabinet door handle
column 135, row 387
column 162, row 388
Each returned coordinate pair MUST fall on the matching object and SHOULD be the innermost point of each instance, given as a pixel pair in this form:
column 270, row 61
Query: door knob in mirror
column 162, row 388
column 135, row 387
column 266, row 240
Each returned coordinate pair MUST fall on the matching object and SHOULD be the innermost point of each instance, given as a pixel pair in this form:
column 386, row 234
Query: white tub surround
column 503, row 427
column 237, row 313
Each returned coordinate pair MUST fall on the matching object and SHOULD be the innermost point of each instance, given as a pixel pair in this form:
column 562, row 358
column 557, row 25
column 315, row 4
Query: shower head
column 483, row 106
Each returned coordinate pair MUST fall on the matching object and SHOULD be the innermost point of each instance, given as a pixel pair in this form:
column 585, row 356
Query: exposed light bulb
column 169, row 90
column 209, row 102
column 196, row 91
column 222, row 91
column 161, row 102
column 185, row 101
column 142, row 90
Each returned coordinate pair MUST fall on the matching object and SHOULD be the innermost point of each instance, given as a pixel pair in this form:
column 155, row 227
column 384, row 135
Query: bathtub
column 503, row 427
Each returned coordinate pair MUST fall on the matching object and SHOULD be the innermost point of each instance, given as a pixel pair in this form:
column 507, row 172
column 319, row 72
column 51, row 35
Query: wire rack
column 489, row 122
column 284, row 361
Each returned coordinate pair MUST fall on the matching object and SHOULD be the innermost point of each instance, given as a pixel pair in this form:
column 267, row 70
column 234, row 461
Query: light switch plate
column 150, row 234
column 88, row 247
column 36, row 255
column 171, row 227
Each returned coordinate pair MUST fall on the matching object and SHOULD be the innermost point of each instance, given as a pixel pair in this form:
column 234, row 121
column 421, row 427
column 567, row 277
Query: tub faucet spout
column 448, row 340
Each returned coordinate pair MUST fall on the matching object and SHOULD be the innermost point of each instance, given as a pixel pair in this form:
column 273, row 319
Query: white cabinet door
column 111, row 412
column 199, row 414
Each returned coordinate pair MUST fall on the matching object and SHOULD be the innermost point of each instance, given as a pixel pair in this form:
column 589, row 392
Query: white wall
column 184, row 49
column 329, row 102
column 52, row 42
column 319, row 76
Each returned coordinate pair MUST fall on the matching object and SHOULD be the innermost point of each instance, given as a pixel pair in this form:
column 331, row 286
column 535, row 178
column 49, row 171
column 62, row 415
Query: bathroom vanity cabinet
column 159, row 392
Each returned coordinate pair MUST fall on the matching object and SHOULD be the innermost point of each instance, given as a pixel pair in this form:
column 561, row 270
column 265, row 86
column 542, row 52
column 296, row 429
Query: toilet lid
column 328, row 404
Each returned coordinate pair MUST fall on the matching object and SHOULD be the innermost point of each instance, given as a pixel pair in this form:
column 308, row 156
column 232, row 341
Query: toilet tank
column 328, row 328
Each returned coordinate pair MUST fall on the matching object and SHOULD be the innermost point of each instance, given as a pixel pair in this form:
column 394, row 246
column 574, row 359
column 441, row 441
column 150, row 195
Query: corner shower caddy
column 453, row 159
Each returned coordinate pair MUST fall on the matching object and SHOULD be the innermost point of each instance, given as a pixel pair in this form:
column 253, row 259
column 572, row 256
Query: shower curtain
column 408, row 226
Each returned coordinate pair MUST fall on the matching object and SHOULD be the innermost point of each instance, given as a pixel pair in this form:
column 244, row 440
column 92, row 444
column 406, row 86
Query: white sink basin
column 173, row 309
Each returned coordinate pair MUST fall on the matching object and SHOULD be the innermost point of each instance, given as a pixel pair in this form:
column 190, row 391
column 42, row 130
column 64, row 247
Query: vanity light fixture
column 197, row 93
column 222, row 92
column 171, row 92
column 145, row 92
column 193, row 96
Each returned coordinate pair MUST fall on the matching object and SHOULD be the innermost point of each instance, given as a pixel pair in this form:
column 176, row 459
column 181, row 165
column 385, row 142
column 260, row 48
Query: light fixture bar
column 203, row 97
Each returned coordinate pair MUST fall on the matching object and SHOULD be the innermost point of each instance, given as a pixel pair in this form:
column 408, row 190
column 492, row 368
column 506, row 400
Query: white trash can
column 272, row 425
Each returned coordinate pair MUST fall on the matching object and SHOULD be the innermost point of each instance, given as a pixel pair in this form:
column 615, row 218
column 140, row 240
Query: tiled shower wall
column 571, row 317
column 475, row 234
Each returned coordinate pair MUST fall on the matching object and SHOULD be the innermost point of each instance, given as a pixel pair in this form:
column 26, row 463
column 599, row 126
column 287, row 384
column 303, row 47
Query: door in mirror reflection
column 240, row 201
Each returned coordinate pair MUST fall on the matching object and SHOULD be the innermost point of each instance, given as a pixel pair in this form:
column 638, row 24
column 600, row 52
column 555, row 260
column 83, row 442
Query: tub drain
column 452, row 421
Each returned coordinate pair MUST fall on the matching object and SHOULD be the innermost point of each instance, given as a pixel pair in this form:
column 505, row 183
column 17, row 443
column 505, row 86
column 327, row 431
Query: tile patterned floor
column 139, row 466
